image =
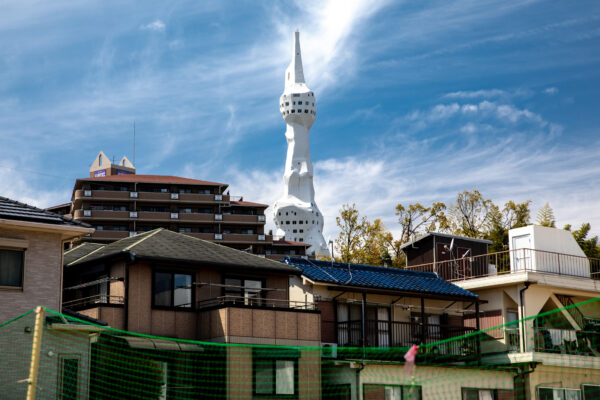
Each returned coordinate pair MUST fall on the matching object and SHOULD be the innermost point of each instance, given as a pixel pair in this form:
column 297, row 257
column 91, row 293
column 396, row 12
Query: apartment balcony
column 567, row 341
column 107, row 235
column 94, row 301
column 203, row 198
column 203, row 236
column 390, row 340
column 101, row 195
column 246, row 238
column 244, row 219
column 196, row 217
column 233, row 319
column 514, row 261
column 101, row 215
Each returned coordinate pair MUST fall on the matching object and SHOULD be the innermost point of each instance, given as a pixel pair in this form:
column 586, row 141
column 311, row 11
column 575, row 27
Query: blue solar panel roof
column 369, row 276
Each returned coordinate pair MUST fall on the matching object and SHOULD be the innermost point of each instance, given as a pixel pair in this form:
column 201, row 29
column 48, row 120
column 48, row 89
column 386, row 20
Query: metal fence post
column 35, row 352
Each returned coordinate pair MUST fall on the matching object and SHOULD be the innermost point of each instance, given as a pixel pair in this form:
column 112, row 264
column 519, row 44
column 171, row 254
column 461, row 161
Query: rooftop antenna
column 134, row 143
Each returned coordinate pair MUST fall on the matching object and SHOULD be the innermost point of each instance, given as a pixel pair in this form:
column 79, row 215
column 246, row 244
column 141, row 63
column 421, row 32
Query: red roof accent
column 289, row 243
column 152, row 179
column 248, row 203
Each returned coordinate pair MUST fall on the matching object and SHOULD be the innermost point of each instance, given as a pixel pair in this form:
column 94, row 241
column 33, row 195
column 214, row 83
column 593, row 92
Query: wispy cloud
column 551, row 90
column 156, row 25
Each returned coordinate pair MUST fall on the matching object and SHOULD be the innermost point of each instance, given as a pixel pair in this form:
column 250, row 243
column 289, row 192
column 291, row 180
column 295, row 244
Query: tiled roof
column 439, row 234
column 11, row 209
column 151, row 179
column 164, row 245
column 83, row 249
column 248, row 203
column 368, row 276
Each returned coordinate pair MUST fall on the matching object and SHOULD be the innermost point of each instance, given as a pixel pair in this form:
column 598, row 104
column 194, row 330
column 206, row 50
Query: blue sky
column 416, row 100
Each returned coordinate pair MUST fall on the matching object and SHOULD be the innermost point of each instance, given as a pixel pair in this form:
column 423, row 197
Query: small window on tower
column 300, row 222
column 300, row 103
column 288, row 76
column 295, row 231
column 293, row 111
column 294, row 103
column 293, row 222
column 301, row 240
column 287, row 103
column 301, row 230
column 287, row 222
column 100, row 159
column 305, row 111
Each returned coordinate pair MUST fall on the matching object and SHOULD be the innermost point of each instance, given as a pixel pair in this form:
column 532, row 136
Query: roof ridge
column 84, row 256
column 144, row 238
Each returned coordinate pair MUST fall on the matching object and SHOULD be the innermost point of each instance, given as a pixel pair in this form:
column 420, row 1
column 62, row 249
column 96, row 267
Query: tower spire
column 295, row 73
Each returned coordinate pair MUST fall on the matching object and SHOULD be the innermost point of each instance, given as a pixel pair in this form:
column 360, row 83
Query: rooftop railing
column 259, row 302
column 514, row 261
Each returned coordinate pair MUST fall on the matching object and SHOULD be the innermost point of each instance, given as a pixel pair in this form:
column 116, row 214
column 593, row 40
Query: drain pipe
column 522, row 325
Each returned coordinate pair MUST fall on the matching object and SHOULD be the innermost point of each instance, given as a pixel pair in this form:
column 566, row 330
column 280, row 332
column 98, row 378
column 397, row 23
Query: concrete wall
column 437, row 383
column 42, row 272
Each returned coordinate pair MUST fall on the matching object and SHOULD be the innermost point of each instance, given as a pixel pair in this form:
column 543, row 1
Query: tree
column 375, row 244
column 353, row 228
column 589, row 246
column 513, row 215
column 416, row 218
column 470, row 215
column 545, row 216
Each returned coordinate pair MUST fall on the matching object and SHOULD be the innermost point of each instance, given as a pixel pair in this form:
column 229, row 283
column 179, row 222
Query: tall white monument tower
column 296, row 213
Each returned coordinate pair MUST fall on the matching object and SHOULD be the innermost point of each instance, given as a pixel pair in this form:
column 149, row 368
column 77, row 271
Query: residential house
column 168, row 284
column 31, row 250
column 544, row 292
column 370, row 316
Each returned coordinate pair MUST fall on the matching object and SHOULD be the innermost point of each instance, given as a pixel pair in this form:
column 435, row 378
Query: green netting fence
column 49, row 355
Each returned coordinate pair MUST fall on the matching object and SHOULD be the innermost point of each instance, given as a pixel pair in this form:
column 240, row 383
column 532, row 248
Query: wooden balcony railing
column 514, row 261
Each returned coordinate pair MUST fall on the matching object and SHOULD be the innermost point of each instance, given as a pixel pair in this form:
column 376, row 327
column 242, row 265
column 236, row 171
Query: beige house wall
column 561, row 377
column 42, row 272
column 437, row 383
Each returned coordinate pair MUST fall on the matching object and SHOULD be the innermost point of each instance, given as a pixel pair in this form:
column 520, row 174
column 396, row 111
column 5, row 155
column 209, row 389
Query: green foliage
column 589, row 246
column 545, row 216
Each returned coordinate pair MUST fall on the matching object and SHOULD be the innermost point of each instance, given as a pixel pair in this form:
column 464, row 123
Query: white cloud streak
column 157, row 26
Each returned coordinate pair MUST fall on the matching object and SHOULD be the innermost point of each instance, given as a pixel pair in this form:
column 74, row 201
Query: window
column 287, row 222
column 301, row 230
column 391, row 392
column 559, row 394
column 172, row 290
column 305, row 111
column 185, row 210
column 300, row 222
column 185, row 230
column 68, row 377
column 119, row 208
column 248, row 291
column 486, row 394
column 287, row 103
column 275, row 377
column 293, row 111
column 100, row 160
column 300, row 103
column 293, row 222
column 590, row 391
column 11, row 268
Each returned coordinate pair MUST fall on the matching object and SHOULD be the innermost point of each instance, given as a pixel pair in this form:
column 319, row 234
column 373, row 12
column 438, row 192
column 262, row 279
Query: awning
column 139, row 342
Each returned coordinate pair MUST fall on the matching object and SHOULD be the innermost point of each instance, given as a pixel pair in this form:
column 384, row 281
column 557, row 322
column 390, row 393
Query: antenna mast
column 134, row 143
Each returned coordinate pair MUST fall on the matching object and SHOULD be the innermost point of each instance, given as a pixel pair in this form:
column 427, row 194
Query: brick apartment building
column 119, row 203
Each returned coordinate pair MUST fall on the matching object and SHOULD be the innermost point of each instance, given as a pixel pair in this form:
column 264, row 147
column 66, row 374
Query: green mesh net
column 78, row 359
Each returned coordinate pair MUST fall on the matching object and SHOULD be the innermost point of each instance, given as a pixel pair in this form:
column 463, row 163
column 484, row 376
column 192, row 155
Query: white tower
column 296, row 213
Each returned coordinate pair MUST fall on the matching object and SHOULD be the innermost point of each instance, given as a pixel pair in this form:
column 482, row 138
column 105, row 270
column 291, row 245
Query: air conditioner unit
column 329, row 350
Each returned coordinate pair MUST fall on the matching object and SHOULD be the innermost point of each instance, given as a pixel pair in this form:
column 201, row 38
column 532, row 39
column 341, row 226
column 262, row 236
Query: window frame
column 61, row 370
column 242, row 291
column 402, row 388
column 559, row 388
column 588, row 384
column 162, row 270
column 23, row 252
column 273, row 361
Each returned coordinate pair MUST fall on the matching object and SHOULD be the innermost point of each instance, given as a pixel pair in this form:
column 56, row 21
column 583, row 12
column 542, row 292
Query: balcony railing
column 255, row 302
column 567, row 341
column 395, row 334
column 514, row 261
column 92, row 301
